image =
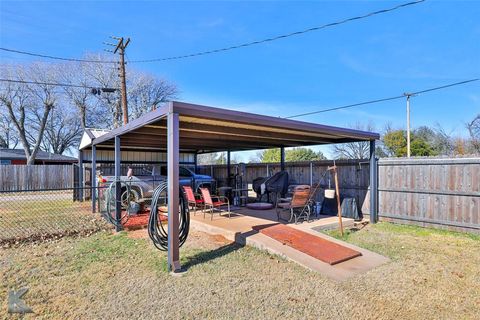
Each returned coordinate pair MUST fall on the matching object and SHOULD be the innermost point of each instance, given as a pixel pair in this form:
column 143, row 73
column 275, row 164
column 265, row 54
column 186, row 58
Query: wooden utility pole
column 408, row 95
column 120, row 48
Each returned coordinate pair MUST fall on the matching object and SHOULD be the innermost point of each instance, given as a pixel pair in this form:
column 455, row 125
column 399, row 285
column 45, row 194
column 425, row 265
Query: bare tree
column 28, row 102
column 81, row 98
column 62, row 131
column 8, row 137
column 51, row 116
column 147, row 93
column 354, row 150
column 106, row 110
column 474, row 131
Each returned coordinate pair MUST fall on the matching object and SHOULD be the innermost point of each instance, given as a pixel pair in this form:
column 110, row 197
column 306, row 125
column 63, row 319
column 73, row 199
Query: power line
column 243, row 45
column 283, row 36
column 57, row 84
column 54, row 57
column 382, row 99
column 443, row 87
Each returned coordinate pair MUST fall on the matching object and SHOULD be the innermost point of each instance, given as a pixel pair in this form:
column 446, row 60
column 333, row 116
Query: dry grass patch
column 108, row 276
column 48, row 214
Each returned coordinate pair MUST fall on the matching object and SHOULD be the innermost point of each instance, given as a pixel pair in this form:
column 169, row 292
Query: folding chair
column 211, row 204
column 194, row 200
column 299, row 205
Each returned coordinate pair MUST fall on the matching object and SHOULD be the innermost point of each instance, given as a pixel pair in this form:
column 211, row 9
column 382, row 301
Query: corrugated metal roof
column 208, row 129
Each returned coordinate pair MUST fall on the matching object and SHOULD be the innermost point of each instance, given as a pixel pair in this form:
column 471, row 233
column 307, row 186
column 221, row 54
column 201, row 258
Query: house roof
column 207, row 129
column 89, row 134
column 19, row 154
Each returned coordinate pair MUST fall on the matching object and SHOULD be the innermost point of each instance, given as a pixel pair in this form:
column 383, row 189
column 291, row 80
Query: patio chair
column 194, row 200
column 212, row 202
column 298, row 205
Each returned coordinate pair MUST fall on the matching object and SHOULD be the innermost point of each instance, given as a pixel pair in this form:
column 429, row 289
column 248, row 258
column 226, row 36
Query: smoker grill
column 278, row 183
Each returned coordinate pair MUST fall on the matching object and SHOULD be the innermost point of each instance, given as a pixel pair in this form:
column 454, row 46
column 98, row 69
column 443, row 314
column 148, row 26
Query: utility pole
column 408, row 95
column 120, row 48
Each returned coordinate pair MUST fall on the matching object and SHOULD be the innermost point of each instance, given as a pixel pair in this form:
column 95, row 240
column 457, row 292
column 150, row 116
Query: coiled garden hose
column 111, row 200
column 158, row 222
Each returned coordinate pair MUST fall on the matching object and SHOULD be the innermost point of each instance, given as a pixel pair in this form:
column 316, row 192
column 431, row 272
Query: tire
column 134, row 197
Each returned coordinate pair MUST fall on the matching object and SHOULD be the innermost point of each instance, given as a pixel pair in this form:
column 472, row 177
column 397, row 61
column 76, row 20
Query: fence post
column 80, row 176
column 373, row 184
column 311, row 173
column 93, row 179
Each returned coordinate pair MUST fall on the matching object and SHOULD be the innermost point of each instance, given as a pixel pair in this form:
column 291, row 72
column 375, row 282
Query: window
column 184, row 172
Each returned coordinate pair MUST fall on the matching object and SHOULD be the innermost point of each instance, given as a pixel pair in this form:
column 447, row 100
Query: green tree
column 270, row 155
column 395, row 142
column 421, row 148
column 303, row 154
column 291, row 155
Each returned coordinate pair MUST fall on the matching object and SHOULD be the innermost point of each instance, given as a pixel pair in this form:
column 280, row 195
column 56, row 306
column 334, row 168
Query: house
column 17, row 156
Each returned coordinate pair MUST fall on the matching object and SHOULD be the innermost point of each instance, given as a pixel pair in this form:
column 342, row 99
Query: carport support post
column 94, row 179
column 282, row 163
column 173, row 155
column 195, row 159
column 373, row 184
column 228, row 168
column 118, row 186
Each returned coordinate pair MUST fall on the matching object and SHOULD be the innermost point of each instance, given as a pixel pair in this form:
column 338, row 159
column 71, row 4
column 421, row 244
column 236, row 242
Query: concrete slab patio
column 239, row 226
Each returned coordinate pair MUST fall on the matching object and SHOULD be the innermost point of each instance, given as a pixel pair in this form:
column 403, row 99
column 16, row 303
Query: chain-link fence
column 39, row 214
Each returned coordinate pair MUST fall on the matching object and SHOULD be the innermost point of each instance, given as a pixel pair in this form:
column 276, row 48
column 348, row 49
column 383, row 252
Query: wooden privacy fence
column 35, row 177
column 435, row 192
column 441, row 192
column 354, row 175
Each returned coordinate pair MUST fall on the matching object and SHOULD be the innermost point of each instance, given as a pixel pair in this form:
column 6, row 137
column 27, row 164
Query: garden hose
column 111, row 200
column 158, row 221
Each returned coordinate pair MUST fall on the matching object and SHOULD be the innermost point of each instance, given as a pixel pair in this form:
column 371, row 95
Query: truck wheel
column 128, row 197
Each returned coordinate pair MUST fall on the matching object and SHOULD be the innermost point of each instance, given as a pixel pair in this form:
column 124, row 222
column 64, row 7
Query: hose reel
column 110, row 200
column 158, row 221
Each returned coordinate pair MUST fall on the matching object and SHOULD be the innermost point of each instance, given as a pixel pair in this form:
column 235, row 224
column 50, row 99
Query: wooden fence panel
column 440, row 192
column 353, row 175
column 435, row 192
column 35, row 177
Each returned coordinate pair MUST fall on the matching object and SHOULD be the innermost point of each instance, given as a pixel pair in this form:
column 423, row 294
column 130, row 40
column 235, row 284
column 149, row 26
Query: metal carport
column 186, row 127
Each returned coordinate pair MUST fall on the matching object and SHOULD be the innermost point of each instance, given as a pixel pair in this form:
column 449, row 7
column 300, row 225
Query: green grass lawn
column 432, row 275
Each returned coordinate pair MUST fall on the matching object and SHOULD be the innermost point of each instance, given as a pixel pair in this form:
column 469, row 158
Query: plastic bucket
column 329, row 193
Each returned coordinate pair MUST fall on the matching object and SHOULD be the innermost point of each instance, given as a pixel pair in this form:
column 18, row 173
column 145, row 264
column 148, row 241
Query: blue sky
column 421, row 46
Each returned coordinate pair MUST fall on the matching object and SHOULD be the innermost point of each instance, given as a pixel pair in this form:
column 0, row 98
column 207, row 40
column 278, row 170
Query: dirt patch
column 138, row 234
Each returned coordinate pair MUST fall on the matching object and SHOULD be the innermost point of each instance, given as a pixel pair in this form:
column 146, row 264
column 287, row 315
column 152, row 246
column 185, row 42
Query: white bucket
column 329, row 193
